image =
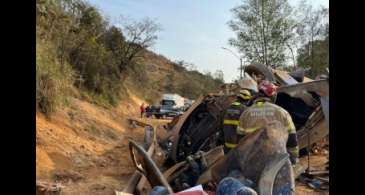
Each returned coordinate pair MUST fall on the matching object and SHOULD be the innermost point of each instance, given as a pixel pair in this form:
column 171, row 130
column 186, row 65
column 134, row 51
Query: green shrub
column 53, row 80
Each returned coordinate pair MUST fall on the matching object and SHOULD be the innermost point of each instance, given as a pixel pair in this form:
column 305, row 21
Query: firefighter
column 264, row 112
column 233, row 112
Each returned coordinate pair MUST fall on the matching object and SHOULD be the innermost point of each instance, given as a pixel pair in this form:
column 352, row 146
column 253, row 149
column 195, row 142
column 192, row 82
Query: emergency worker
column 234, row 111
column 264, row 112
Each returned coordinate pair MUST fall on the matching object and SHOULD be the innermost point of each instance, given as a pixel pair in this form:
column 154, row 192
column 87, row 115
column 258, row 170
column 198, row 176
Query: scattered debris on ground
column 315, row 180
column 46, row 188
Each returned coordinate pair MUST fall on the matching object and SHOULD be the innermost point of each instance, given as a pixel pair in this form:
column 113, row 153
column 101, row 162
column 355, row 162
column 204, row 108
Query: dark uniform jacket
column 230, row 123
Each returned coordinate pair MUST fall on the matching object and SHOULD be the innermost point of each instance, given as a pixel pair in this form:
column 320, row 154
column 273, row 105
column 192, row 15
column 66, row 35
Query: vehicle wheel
column 260, row 69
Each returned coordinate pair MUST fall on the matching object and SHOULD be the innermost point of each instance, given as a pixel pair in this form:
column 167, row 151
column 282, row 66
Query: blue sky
column 192, row 30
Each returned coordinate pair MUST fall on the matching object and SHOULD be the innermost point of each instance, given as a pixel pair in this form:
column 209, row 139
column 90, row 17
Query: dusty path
column 111, row 170
column 85, row 147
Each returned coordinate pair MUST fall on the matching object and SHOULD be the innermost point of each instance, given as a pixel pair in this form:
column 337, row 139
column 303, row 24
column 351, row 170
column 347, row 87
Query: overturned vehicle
column 188, row 151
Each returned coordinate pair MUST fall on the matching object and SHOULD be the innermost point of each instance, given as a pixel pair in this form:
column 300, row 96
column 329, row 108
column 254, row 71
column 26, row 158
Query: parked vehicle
column 171, row 105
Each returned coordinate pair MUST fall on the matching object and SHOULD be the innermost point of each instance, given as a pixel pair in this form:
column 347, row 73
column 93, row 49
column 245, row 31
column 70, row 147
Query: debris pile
column 46, row 188
column 316, row 175
column 321, row 147
column 199, row 129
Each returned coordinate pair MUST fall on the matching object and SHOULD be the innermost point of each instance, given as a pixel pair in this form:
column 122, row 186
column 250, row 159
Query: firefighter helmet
column 245, row 94
column 268, row 88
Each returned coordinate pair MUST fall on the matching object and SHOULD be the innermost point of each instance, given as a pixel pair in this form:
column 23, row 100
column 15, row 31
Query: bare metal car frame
column 198, row 129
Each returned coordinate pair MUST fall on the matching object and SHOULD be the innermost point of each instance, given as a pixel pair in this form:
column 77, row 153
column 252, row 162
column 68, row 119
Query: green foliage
column 191, row 83
column 53, row 80
column 263, row 28
column 313, row 29
column 97, row 69
column 320, row 57
column 97, row 52
column 218, row 75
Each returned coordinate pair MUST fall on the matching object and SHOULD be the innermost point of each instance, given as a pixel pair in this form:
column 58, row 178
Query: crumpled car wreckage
column 188, row 151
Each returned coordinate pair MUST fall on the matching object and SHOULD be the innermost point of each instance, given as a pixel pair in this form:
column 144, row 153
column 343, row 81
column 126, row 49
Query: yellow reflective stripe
column 259, row 104
column 231, row 122
column 236, row 103
column 290, row 124
column 245, row 96
column 250, row 130
column 242, row 131
column 230, row 145
column 294, row 151
column 291, row 127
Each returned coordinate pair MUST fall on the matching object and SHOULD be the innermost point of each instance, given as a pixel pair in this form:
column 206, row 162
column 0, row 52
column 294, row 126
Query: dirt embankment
column 85, row 147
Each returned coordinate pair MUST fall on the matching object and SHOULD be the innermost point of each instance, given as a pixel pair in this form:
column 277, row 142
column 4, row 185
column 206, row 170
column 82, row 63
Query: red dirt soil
column 85, row 147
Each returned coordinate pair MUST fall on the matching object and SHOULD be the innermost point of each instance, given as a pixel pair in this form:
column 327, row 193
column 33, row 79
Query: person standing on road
column 147, row 111
column 142, row 109
column 234, row 111
column 264, row 112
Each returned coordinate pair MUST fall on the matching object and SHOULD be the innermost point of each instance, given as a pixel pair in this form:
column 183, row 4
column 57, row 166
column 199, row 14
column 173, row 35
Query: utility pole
column 240, row 58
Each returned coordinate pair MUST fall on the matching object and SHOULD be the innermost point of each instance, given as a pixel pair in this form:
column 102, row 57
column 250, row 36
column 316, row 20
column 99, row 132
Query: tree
column 318, row 60
column 312, row 26
column 139, row 35
column 187, row 65
column 263, row 29
column 83, row 39
column 208, row 74
column 114, row 40
column 218, row 75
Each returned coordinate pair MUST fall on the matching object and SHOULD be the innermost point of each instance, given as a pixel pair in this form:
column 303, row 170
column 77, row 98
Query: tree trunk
column 263, row 32
column 292, row 54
